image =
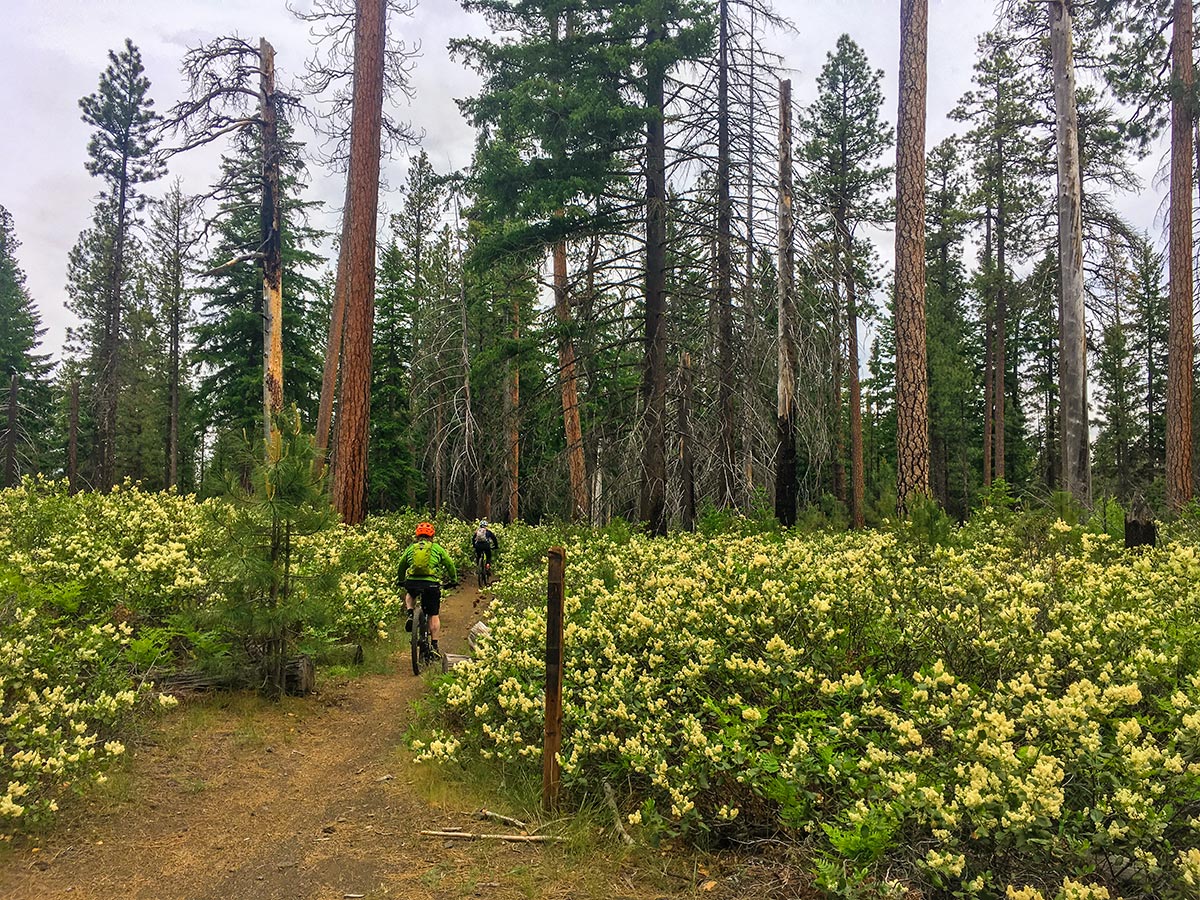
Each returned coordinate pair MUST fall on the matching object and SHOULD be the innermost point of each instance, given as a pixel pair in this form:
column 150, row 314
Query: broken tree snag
column 1140, row 527
column 272, row 253
column 554, row 672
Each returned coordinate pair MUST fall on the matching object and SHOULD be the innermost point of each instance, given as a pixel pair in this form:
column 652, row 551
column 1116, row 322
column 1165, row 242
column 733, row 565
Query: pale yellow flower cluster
column 985, row 695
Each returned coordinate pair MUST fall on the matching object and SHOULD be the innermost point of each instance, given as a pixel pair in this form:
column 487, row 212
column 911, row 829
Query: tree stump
column 1140, row 527
column 300, row 676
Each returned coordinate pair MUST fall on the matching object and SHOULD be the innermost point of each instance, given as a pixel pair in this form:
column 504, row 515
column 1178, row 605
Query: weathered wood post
column 554, row 671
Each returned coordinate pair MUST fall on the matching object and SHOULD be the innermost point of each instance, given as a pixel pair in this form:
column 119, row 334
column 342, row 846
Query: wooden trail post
column 554, row 671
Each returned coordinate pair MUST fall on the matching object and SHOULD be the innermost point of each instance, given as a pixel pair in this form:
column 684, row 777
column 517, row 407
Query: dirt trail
column 307, row 800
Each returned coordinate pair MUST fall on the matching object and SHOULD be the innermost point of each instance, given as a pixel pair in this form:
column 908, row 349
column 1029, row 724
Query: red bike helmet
column 425, row 529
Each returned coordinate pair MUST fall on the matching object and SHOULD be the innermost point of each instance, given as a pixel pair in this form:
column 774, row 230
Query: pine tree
column 1007, row 162
column 24, row 371
column 121, row 154
column 841, row 141
column 952, row 384
column 172, row 242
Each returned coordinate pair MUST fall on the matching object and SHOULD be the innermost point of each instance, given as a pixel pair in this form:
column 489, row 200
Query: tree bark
column 912, row 376
column 354, row 413
column 1180, row 341
column 272, row 253
column 1072, row 347
column 785, row 411
column 569, row 381
column 727, row 451
column 653, row 501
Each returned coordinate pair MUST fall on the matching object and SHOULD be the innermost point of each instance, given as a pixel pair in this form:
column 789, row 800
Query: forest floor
column 231, row 797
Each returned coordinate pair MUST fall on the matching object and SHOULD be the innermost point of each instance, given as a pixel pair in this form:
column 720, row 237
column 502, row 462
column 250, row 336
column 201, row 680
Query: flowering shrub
column 62, row 691
column 96, row 587
column 1002, row 713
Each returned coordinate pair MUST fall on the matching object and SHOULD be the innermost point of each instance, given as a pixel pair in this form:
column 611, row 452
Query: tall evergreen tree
column 121, row 154
column 952, row 383
column 23, row 370
column 841, row 141
column 1007, row 163
column 172, row 246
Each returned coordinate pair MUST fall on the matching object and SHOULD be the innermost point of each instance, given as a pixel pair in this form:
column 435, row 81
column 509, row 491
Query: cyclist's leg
column 431, row 602
column 411, row 590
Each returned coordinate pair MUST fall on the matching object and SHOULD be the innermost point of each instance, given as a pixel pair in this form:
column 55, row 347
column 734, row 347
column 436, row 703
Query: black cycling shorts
column 430, row 594
column 484, row 548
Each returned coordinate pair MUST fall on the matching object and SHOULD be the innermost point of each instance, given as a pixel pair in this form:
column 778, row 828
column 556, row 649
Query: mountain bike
column 483, row 569
column 422, row 641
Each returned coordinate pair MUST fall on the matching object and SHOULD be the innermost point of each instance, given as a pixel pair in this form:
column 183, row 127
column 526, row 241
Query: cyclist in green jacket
column 423, row 565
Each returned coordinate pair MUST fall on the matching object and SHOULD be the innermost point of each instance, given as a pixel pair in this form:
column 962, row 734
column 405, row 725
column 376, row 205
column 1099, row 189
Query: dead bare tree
column 222, row 100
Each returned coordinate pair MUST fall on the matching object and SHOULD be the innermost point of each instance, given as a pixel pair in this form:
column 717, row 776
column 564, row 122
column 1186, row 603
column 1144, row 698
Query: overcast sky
column 53, row 51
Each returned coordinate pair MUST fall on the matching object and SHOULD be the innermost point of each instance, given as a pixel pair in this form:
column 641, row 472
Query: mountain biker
column 422, row 565
column 485, row 542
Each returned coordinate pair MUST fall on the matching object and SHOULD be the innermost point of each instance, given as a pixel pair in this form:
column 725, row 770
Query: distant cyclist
column 423, row 565
column 485, row 542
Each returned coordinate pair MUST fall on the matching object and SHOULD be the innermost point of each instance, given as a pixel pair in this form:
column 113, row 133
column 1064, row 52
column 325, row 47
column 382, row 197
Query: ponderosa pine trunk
column 1180, row 340
column 1072, row 348
column 568, row 379
column 272, row 249
column 785, row 408
column 354, row 410
column 912, row 374
column 653, row 501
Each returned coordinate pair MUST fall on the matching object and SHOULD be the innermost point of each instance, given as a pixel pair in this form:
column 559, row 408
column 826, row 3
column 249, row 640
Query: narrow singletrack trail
column 307, row 800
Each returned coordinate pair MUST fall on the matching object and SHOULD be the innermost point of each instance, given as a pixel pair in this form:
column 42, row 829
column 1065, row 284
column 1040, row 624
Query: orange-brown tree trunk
column 354, row 412
column 576, row 467
column 1180, row 340
column 912, row 374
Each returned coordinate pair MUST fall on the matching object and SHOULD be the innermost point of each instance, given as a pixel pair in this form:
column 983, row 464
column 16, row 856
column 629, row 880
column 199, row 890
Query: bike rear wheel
column 481, row 569
column 420, row 640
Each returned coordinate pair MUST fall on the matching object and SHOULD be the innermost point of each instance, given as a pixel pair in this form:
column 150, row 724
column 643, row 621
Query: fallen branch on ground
column 507, row 820
column 515, row 838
